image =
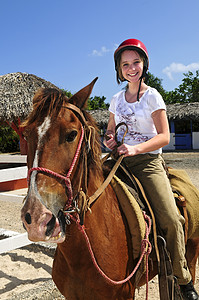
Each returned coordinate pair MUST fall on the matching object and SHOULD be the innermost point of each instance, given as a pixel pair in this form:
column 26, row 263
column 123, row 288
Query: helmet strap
column 142, row 76
column 139, row 89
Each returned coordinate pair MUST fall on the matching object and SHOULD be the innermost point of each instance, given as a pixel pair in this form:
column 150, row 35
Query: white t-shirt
column 137, row 116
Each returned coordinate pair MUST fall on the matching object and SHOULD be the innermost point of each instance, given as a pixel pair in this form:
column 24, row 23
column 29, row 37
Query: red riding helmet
column 132, row 44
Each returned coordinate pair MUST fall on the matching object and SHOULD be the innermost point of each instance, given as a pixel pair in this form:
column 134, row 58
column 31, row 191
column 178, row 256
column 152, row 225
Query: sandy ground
column 26, row 273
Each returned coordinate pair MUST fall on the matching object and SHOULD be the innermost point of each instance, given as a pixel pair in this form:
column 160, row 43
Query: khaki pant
column 148, row 168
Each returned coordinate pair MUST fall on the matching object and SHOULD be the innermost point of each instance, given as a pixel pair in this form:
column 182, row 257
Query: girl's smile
column 131, row 65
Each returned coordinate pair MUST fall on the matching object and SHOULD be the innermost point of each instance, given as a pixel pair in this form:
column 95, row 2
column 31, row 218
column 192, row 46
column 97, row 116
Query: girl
column 143, row 110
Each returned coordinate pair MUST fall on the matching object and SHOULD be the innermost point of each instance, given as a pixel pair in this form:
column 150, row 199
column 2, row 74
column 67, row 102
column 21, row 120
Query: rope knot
column 146, row 246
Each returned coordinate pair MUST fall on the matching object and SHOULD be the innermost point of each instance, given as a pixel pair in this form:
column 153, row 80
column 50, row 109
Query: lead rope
column 145, row 250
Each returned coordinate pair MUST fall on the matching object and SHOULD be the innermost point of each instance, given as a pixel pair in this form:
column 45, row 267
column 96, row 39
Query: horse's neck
column 94, row 182
column 88, row 178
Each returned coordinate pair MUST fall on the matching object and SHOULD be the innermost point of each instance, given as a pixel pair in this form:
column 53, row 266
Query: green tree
column 189, row 89
column 67, row 93
column 97, row 102
column 187, row 92
column 155, row 82
column 172, row 97
column 9, row 140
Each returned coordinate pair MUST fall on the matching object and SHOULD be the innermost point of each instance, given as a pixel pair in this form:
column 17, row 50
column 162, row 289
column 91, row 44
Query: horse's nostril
column 28, row 218
column 50, row 226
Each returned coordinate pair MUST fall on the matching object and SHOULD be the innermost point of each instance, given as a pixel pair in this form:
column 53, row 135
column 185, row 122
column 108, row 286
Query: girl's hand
column 128, row 150
column 110, row 142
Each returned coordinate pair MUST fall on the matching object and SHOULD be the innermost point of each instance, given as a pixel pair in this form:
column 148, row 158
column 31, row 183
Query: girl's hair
column 119, row 75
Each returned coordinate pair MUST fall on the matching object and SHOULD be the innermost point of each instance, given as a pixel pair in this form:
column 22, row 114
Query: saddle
column 135, row 188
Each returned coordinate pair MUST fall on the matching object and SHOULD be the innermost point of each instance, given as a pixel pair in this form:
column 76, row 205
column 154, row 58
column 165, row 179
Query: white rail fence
column 10, row 240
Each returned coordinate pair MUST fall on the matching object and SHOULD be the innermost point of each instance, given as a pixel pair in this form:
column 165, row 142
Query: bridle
column 69, row 206
column 66, row 178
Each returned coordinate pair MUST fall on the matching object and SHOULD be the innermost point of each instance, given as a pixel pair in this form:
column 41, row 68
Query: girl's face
column 131, row 65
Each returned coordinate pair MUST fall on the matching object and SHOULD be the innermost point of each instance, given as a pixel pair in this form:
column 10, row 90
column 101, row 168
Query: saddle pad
column 181, row 182
column 134, row 218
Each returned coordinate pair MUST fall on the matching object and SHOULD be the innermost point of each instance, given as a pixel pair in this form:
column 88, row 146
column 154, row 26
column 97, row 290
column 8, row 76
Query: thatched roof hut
column 185, row 111
column 16, row 93
column 177, row 111
column 101, row 116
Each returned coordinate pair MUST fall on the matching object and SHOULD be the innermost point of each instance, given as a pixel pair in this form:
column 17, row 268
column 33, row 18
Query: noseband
column 66, row 178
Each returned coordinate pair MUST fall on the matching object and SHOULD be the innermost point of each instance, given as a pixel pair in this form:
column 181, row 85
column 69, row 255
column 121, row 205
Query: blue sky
column 71, row 42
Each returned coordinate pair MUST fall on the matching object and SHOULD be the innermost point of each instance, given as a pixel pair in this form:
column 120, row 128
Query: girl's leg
column 148, row 168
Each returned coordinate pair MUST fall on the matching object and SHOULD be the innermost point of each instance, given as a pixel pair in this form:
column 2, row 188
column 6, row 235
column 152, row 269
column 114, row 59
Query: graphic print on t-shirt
column 127, row 115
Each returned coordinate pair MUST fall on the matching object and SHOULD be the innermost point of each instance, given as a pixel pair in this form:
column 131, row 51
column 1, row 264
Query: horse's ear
column 80, row 98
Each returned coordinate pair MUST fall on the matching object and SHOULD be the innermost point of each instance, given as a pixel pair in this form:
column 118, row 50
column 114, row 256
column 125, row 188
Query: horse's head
column 59, row 134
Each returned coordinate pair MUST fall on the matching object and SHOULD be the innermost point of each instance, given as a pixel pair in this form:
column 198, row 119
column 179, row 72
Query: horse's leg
column 192, row 253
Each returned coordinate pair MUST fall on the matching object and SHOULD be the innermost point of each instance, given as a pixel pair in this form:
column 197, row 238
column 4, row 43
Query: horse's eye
column 71, row 136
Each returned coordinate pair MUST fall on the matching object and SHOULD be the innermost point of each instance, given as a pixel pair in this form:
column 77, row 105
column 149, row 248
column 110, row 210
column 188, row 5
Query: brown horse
column 65, row 169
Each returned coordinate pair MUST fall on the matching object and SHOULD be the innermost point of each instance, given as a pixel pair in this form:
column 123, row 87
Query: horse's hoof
column 188, row 291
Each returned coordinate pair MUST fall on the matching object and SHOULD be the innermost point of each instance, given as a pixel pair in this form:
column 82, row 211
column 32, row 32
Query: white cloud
column 179, row 68
column 103, row 51
column 100, row 52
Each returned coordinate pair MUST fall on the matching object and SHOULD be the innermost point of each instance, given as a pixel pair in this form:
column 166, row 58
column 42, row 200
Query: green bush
column 9, row 140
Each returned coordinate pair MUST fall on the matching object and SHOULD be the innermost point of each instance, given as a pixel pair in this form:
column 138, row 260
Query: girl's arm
column 160, row 140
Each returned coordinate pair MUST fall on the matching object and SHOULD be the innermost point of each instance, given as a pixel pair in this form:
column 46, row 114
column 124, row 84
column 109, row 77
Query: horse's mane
column 46, row 101
column 94, row 158
column 49, row 102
